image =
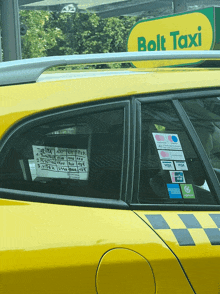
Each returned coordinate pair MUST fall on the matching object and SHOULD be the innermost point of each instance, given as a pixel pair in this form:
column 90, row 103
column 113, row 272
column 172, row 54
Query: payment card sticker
column 187, row 190
column 56, row 162
column 167, row 165
column 180, row 165
column 171, row 155
column 167, row 141
column 177, row 177
column 174, row 191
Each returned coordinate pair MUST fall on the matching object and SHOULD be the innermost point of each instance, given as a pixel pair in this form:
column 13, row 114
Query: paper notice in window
column 167, row 141
column 65, row 163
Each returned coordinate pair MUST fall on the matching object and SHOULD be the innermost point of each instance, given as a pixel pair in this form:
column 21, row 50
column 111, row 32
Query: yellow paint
column 48, row 248
column 4, row 202
column 199, row 236
column 201, row 262
column 19, row 101
column 126, row 272
column 171, row 33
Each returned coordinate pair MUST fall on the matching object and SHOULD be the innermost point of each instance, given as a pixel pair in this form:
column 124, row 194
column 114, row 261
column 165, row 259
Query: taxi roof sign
column 196, row 30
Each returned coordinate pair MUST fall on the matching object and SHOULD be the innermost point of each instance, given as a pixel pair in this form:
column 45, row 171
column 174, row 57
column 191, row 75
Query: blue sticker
column 174, row 191
column 174, row 139
column 177, row 177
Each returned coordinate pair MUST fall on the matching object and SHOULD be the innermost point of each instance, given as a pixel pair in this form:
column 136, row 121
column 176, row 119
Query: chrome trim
column 29, row 70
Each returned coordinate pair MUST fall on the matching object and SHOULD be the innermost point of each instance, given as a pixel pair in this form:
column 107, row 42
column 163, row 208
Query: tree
column 37, row 40
column 52, row 33
column 88, row 33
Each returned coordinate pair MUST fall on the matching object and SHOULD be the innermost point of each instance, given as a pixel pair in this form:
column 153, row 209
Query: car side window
column 78, row 156
column 171, row 171
column 205, row 117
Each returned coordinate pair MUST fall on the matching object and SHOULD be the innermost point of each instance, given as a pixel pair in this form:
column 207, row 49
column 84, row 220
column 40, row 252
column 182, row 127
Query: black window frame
column 131, row 150
column 63, row 113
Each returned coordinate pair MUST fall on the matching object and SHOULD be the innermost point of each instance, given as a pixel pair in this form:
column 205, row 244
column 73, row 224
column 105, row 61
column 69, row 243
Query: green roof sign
column 196, row 30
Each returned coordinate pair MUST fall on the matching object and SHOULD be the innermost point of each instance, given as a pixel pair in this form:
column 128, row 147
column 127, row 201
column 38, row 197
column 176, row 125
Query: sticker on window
column 181, row 165
column 32, row 167
column 167, row 165
column 167, row 141
column 174, row 191
column 177, row 177
column 56, row 162
column 187, row 190
column 171, row 155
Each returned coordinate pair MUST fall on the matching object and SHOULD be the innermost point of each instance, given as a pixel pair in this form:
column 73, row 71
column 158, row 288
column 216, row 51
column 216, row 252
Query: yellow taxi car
column 109, row 180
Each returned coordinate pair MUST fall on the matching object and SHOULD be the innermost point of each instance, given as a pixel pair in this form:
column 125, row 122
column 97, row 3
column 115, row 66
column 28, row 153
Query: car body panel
column 19, row 101
column 63, row 249
column 48, row 248
column 125, row 269
column 194, row 237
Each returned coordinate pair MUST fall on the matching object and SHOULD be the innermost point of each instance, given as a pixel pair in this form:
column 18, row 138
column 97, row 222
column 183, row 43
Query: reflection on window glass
column 79, row 156
column 171, row 171
column 205, row 117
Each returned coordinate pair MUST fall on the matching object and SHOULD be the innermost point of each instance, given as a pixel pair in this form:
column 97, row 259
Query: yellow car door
column 62, row 249
column 194, row 237
column 177, row 190
column 65, row 226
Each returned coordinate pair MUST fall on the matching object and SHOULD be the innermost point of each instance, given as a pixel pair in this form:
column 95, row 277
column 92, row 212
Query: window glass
column 205, row 117
column 79, row 156
column 171, row 171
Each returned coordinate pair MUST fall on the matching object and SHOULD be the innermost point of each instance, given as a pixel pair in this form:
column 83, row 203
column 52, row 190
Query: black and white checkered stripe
column 183, row 236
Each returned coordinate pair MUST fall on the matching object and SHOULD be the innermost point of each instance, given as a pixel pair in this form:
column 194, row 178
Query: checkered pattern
column 182, row 235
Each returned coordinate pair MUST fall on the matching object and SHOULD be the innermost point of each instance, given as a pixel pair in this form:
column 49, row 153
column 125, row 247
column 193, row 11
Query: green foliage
column 37, row 40
column 51, row 34
column 160, row 128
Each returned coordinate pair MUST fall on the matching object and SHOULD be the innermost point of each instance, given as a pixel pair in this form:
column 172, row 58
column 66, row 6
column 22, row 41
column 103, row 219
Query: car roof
column 55, row 90
column 29, row 70
column 59, row 90
column 84, row 74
